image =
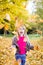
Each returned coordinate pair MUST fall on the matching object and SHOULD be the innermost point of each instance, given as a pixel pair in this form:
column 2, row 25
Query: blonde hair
column 20, row 23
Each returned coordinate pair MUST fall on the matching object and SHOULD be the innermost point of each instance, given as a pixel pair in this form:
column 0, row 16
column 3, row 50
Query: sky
column 30, row 7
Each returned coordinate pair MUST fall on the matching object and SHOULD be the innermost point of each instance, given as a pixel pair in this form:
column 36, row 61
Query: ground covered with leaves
column 34, row 57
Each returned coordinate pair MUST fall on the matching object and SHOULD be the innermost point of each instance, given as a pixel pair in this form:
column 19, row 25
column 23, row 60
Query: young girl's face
column 21, row 31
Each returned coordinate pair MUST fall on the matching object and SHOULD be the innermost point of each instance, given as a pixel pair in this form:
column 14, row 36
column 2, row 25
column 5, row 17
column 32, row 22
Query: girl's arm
column 14, row 42
column 29, row 45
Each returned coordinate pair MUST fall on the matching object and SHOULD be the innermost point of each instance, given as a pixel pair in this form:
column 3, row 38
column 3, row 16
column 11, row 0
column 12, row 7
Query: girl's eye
column 23, row 28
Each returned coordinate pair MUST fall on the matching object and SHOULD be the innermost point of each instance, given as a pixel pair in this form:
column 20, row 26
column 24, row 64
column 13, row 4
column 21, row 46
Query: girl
column 22, row 44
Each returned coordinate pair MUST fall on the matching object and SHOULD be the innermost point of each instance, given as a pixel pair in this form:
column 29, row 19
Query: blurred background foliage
column 11, row 12
column 10, row 9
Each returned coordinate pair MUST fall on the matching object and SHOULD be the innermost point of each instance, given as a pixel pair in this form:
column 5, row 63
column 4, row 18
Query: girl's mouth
column 21, row 32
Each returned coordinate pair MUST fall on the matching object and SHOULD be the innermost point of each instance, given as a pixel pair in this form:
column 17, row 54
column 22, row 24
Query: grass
column 7, row 35
column 34, row 36
column 30, row 35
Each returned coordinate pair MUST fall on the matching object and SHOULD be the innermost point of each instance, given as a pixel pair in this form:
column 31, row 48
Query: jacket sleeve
column 14, row 42
column 29, row 45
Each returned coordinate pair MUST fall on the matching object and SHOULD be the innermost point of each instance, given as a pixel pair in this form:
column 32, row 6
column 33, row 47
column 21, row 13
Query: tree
column 13, row 8
column 40, row 8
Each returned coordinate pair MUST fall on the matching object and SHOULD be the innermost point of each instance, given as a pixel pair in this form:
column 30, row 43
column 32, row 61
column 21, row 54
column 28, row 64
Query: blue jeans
column 22, row 57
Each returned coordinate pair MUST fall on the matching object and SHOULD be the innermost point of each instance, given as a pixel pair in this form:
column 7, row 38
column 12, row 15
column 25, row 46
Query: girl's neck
column 21, row 35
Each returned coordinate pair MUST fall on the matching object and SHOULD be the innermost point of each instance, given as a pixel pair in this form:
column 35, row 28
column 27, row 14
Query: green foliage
column 40, row 27
column 40, row 8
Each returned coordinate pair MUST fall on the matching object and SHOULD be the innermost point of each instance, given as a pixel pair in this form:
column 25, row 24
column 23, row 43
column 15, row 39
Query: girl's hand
column 13, row 49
